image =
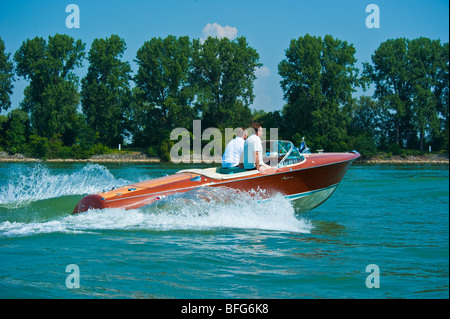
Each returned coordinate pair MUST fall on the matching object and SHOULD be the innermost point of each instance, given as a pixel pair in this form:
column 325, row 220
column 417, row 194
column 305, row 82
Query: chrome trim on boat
column 196, row 179
column 300, row 195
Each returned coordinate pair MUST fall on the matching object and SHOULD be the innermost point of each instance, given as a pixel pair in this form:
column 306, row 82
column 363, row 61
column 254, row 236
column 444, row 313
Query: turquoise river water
column 384, row 233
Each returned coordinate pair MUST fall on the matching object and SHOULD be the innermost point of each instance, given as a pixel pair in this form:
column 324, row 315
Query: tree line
column 179, row 80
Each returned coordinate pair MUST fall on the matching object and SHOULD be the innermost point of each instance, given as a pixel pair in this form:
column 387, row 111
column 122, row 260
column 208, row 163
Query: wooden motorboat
column 308, row 179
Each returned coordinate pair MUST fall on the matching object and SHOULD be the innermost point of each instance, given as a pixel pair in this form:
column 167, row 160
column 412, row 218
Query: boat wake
column 204, row 209
column 33, row 183
column 207, row 208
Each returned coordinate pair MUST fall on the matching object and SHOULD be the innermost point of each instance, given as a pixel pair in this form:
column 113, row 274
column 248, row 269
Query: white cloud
column 216, row 30
column 263, row 71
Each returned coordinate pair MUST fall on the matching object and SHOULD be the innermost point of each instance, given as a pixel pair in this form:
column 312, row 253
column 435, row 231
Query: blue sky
column 268, row 26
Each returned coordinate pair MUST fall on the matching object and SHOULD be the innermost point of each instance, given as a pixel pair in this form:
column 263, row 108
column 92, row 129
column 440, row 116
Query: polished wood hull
column 308, row 183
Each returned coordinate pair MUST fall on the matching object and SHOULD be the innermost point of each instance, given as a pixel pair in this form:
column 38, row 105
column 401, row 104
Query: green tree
column 52, row 96
column 6, row 77
column 442, row 96
column 223, row 74
column 319, row 77
column 3, row 129
column 269, row 120
column 366, row 116
column 409, row 78
column 423, row 58
column 162, row 98
column 106, row 94
column 18, row 130
column 364, row 130
column 389, row 73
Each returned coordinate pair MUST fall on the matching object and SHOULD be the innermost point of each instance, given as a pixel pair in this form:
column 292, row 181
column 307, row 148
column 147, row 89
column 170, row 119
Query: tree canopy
column 179, row 80
column 163, row 95
column 318, row 79
column 410, row 78
column 52, row 96
column 106, row 93
column 223, row 73
column 6, row 77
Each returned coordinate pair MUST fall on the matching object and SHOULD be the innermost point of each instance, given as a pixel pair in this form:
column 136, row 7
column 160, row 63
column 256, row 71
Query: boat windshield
column 281, row 153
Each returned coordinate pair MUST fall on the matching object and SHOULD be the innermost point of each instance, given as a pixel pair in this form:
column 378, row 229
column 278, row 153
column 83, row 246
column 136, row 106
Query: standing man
column 234, row 149
column 253, row 152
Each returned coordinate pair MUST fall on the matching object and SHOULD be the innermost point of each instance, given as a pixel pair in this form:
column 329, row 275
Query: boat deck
column 216, row 172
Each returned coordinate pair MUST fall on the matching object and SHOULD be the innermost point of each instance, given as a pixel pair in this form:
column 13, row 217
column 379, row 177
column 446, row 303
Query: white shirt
column 252, row 145
column 233, row 151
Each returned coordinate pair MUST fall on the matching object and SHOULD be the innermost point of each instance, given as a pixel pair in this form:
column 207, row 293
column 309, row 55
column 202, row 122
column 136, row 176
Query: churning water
column 222, row 243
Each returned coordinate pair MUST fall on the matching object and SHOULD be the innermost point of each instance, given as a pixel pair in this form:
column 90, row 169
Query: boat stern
column 89, row 202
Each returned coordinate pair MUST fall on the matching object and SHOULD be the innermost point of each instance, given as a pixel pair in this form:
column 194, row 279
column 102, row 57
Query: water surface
column 223, row 244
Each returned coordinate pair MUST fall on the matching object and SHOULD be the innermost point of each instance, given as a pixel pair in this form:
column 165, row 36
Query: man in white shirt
column 253, row 152
column 232, row 155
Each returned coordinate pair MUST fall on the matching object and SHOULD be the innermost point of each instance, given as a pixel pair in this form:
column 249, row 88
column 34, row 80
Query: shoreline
column 396, row 159
column 142, row 158
column 107, row 158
